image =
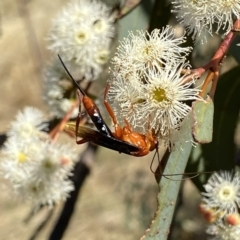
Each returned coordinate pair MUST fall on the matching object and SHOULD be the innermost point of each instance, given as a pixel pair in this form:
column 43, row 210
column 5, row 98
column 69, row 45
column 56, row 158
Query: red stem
column 59, row 128
column 220, row 53
column 214, row 63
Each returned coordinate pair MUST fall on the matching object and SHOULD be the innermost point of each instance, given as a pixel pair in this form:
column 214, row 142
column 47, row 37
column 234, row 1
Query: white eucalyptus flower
column 223, row 192
column 39, row 192
column 81, row 32
column 226, row 12
column 35, row 169
column 125, row 95
column 199, row 16
column 145, row 51
column 58, row 90
column 28, row 123
column 155, row 101
column 222, row 231
column 165, row 94
column 196, row 16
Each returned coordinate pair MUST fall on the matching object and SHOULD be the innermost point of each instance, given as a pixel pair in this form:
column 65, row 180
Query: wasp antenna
column 69, row 74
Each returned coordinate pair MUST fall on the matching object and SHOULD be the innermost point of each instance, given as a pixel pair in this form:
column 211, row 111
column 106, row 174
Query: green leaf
column 196, row 163
column 138, row 19
column 219, row 154
column 169, row 189
column 203, row 117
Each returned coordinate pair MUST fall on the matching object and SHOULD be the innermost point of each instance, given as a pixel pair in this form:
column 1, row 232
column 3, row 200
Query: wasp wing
column 103, row 140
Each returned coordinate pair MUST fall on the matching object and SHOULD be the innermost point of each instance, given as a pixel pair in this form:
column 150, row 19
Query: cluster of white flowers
column 82, row 33
column 223, row 231
column 36, row 169
column 200, row 15
column 58, row 90
column 221, row 205
column 148, row 86
column 223, row 192
column 143, row 52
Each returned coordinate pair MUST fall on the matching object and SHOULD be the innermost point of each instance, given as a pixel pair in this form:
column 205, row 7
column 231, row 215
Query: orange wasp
column 123, row 139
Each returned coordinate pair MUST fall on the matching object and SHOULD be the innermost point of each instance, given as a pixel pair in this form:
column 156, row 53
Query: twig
column 215, row 62
column 128, row 8
column 42, row 224
column 32, row 213
column 60, row 126
column 208, row 79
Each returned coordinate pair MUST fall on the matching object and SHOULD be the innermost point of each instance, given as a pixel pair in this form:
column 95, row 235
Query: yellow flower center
column 99, row 26
column 102, row 57
column 159, row 95
column 81, row 37
column 148, row 51
column 22, row 157
column 48, row 164
column 226, row 193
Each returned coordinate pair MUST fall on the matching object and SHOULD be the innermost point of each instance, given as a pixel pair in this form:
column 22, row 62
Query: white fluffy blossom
column 145, row 51
column 36, row 170
column 227, row 12
column 148, row 86
column 82, row 33
column 155, row 101
column 199, row 16
column 222, row 231
column 165, row 92
column 125, row 96
column 196, row 16
column 58, row 90
column 28, row 123
column 223, row 192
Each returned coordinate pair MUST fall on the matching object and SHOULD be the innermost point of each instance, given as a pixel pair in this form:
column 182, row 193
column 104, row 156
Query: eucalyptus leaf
column 169, row 188
column 203, row 118
column 220, row 153
column 196, row 163
column 138, row 19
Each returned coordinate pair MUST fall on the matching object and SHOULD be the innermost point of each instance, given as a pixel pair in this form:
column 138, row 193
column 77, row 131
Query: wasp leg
column 127, row 125
column 118, row 129
column 150, row 133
